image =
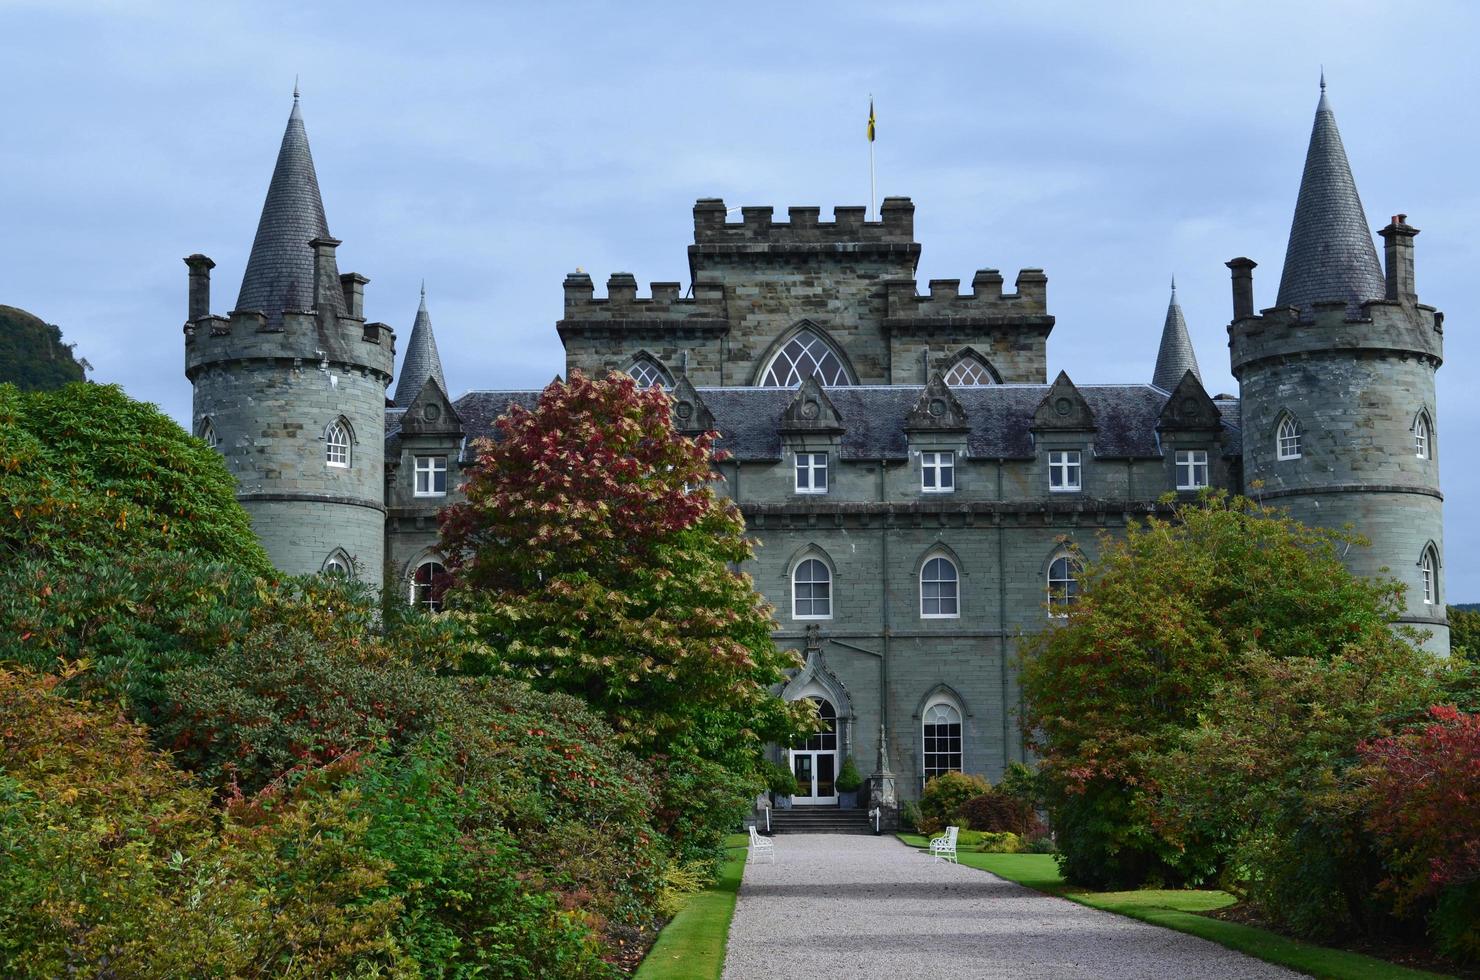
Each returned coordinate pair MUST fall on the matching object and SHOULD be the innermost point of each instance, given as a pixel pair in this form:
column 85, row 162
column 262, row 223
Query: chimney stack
column 353, row 285
column 1397, row 250
column 200, row 286
column 325, row 274
column 1243, row 286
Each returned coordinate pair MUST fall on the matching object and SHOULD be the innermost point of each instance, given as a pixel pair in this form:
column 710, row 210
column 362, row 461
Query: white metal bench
column 945, row 847
column 761, row 845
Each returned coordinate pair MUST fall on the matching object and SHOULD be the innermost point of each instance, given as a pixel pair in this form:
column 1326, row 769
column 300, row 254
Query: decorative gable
column 690, row 415
column 811, row 411
column 1190, row 408
column 937, row 409
column 1063, row 408
column 431, row 413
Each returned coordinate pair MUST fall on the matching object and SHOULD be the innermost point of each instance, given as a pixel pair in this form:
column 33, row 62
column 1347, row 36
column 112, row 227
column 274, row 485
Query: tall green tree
column 1166, row 616
column 32, row 355
column 595, row 558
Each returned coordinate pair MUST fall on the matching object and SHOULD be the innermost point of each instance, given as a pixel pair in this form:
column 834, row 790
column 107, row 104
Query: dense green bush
column 944, row 801
column 998, row 812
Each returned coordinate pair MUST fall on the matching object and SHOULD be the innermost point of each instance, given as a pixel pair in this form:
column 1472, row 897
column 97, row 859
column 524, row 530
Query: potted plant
column 782, row 783
column 847, row 784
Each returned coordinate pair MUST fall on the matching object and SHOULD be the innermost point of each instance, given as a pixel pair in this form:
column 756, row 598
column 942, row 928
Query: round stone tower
column 1336, row 385
column 290, row 387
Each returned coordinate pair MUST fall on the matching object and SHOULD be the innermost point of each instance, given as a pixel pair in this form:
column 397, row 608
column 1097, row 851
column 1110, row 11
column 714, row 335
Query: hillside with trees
column 32, row 354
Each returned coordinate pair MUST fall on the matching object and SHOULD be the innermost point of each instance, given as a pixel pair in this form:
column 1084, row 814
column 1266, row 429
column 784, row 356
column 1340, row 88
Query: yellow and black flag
column 870, row 120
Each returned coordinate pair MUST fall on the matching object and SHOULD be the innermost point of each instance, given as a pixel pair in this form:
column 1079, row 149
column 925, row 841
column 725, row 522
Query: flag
column 870, row 120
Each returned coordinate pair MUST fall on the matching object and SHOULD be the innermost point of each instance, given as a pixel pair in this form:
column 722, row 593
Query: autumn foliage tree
column 595, row 559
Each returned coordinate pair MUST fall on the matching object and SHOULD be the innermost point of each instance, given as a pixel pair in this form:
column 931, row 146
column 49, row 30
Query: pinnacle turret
column 1175, row 356
column 422, row 360
column 1330, row 255
column 280, row 271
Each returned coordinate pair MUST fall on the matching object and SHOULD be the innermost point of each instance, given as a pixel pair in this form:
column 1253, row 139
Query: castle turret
column 1175, row 357
column 290, row 386
column 1336, row 385
column 422, row 360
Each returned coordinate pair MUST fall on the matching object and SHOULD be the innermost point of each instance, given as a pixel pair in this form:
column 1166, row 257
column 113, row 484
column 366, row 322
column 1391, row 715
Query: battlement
column 1384, row 326
column 757, row 225
column 623, row 307
column 245, row 335
column 986, row 299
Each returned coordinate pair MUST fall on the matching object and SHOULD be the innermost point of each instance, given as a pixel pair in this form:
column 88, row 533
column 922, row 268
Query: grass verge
column 692, row 945
column 1177, row 909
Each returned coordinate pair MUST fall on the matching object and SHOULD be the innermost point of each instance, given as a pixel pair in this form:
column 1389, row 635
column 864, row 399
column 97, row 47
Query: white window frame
column 1287, row 439
column 940, row 466
column 1067, row 466
column 427, row 466
column 1194, row 461
column 812, row 465
column 959, row 753
column 1428, row 569
column 338, row 564
column 208, row 433
column 1059, row 601
column 337, row 452
column 429, row 603
column 1423, row 444
column 648, row 372
column 954, row 580
column 827, row 579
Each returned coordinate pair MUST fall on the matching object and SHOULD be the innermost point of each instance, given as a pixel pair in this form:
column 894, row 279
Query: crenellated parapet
column 757, row 225
column 945, row 306
column 622, row 308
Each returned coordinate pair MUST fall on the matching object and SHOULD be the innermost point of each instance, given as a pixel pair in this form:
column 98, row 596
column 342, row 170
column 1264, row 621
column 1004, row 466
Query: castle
column 923, row 491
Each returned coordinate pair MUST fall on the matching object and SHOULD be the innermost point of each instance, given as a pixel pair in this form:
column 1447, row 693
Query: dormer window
column 336, row 444
column 1064, row 471
column 811, row 471
column 938, row 472
column 1287, row 439
column 431, row 476
column 1192, row 469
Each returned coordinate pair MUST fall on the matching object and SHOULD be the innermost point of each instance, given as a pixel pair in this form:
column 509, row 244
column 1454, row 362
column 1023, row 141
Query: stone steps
column 820, row 820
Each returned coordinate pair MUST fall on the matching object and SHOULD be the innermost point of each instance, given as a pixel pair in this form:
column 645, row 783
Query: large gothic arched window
column 969, row 370
column 804, row 356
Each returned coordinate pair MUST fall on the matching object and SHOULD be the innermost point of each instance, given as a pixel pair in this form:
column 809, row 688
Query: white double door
column 816, row 771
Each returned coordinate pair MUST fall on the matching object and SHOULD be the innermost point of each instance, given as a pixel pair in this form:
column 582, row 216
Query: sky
column 492, row 148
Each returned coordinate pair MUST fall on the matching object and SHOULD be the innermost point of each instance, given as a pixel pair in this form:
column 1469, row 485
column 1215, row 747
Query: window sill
column 812, row 619
column 1200, row 486
column 442, row 493
column 937, row 490
column 1065, row 489
column 940, row 615
column 812, row 493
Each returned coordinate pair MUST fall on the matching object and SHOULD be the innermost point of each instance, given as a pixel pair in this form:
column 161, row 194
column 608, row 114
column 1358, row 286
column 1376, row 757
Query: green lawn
column 692, row 945
column 1176, row 909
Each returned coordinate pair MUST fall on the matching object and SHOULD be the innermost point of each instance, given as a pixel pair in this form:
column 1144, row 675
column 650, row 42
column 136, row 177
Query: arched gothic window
column 337, row 566
column 826, row 735
column 811, row 590
column 1422, row 436
column 647, row 372
column 805, row 356
column 940, row 732
column 1063, row 585
column 1287, row 439
column 1428, row 567
column 940, row 596
column 336, row 443
column 428, row 583
column 208, row 433
column 969, row 370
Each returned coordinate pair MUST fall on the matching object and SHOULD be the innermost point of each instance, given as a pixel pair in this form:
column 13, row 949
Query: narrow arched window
column 1428, row 567
column 336, row 566
column 428, row 583
column 336, row 444
column 647, row 373
column 940, row 737
column 1287, row 439
column 1063, row 585
column 811, row 590
column 208, row 433
column 1422, row 441
column 969, row 371
column 939, row 589
column 805, row 356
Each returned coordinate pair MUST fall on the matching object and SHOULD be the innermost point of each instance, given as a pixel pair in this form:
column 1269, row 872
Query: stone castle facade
column 922, row 489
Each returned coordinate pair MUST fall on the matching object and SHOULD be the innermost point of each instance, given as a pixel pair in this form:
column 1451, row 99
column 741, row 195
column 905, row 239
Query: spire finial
column 1174, row 284
column 1323, row 78
column 295, row 88
column 423, row 289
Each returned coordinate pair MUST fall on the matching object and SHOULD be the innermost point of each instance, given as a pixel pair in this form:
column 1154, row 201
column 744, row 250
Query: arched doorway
column 815, row 761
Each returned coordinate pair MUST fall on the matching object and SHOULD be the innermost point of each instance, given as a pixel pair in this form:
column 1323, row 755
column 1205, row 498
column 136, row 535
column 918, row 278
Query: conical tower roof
column 279, row 272
column 422, row 360
column 1176, row 356
column 1330, row 255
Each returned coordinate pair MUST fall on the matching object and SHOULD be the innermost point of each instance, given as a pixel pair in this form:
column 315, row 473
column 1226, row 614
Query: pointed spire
column 280, row 274
column 1175, row 356
column 1330, row 255
column 422, row 360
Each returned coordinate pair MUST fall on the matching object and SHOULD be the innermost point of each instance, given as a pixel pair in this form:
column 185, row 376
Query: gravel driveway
column 836, row 905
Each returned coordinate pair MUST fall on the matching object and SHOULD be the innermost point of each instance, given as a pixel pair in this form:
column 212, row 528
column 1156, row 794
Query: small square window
column 1192, row 469
column 1064, row 471
column 431, row 476
column 938, row 472
column 811, row 472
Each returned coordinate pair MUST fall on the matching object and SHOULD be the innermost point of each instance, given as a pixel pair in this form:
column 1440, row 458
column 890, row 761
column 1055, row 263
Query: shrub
column 780, row 779
column 999, row 843
column 996, row 811
column 945, row 797
column 848, row 778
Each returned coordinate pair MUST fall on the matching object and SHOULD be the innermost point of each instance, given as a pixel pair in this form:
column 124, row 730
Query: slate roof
column 422, row 360
column 1330, row 255
column 1175, row 356
column 1000, row 418
column 279, row 272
